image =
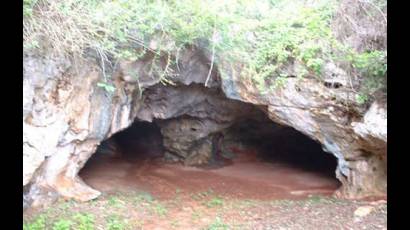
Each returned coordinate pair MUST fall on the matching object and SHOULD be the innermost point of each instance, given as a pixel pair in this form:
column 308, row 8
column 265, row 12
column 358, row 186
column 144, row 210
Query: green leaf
column 106, row 87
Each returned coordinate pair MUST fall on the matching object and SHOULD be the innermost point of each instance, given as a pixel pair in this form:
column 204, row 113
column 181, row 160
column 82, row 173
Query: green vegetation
column 225, row 213
column 62, row 225
column 141, row 198
column 175, row 224
column 196, row 215
column 115, row 223
column 263, row 36
column 372, row 66
column 202, row 195
column 114, row 201
column 218, row 224
column 84, row 221
column 80, row 221
column 38, row 224
column 214, row 202
column 160, row 209
column 107, row 87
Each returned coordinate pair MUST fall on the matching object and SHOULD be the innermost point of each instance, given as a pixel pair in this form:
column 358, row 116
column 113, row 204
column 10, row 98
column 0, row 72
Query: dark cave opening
column 275, row 143
column 142, row 140
column 275, row 155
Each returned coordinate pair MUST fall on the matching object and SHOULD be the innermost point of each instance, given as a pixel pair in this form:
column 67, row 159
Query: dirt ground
column 246, row 194
column 246, row 177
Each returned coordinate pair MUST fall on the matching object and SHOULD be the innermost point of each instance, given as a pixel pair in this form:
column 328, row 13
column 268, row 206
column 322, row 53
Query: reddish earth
column 247, row 193
column 245, row 177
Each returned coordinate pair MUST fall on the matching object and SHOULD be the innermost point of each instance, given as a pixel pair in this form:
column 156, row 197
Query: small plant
column 174, row 223
column 315, row 199
column 112, row 201
column 32, row 45
column 84, row 221
column 361, row 99
column 114, row 223
column 62, row 225
column 143, row 197
column 28, row 7
column 216, row 201
column 218, row 224
column 202, row 195
column 196, row 215
column 315, row 64
column 370, row 64
column 38, row 224
column 160, row 209
column 115, row 201
column 279, row 82
column 107, row 87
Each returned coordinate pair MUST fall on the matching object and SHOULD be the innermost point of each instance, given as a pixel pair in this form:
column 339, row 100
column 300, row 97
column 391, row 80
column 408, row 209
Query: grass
column 160, row 209
column 215, row 202
column 62, row 224
column 81, row 216
column 202, row 195
column 114, row 201
column 84, row 221
column 140, row 198
column 218, row 224
column 115, row 222
column 196, row 215
column 66, row 220
column 210, row 212
column 175, row 223
column 38, row 223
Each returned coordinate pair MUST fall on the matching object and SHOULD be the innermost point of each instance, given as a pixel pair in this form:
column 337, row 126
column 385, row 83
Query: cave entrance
column 280, row 145
column 261, row 160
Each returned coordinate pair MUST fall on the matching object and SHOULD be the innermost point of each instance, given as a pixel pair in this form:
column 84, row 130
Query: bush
column 84, row 221
column 263, row 35
column 38, row 224
column 115, row 223
column 62, row 225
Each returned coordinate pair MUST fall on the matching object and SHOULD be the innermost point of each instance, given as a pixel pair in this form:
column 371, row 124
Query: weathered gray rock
column 317, row 111
column 200, row 153
column 374, row 123
column 192, row 113
column 65, row 117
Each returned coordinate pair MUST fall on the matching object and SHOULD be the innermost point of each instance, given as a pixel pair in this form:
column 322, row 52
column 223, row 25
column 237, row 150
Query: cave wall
column 311, row 107
column 66, row 115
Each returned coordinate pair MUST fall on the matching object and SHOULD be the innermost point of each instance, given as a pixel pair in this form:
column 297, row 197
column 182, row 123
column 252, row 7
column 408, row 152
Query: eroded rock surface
column 66, row 116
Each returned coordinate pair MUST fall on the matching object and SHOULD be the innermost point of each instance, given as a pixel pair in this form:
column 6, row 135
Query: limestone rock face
column 314, row 109
column 193, row 113
column 200, row 153
column 374, row 123
column 66, row 116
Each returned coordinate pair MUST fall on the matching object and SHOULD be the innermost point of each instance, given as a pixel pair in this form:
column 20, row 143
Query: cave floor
column 246, row 177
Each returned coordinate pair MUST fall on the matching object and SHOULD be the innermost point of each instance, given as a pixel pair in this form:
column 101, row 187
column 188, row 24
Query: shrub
column 62, row 225
column 38, row 224
column 115, row 223
column 263, row 35
column 84, row 221
column 218, row 224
